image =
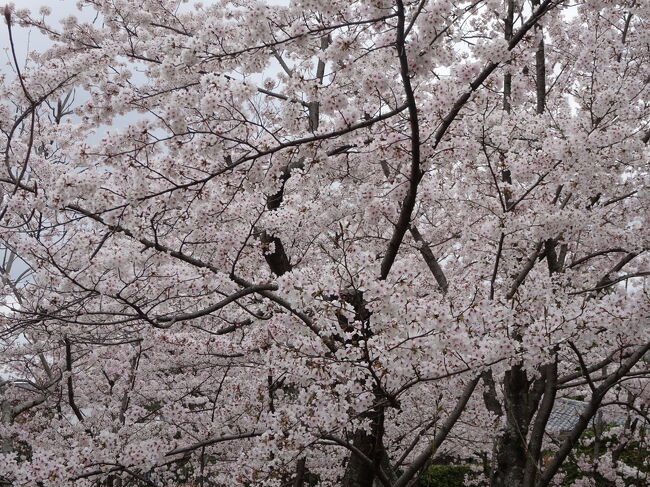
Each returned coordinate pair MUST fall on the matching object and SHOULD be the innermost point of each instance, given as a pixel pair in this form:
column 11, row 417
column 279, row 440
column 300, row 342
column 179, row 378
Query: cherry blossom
column 325, row 243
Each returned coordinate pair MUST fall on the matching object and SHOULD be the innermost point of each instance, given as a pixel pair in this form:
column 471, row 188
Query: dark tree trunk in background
column 359, row 473
column 510, row 449
column 515, row 458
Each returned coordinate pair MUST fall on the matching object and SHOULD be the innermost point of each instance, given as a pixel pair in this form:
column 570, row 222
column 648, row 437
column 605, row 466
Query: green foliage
column 634, row 455
column 444, row 476
column 22, row 452
column 153, row 407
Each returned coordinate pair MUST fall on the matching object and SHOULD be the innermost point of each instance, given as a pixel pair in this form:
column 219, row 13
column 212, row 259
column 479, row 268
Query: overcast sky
column 31, row 39
column 27, row 40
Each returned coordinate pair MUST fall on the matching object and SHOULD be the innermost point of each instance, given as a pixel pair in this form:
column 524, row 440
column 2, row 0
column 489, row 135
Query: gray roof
column 566, row 412
column 565, row 415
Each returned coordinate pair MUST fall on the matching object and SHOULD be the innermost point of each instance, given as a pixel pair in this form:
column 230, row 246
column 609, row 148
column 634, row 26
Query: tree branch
column 430, row 259
column 530, row 263
column 68, row 368
column 446, row 427
column 586, row 416
column 416, row 173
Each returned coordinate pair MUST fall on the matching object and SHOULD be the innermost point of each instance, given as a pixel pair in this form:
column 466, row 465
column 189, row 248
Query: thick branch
column 496, row 265
column 530, row 263
column 299, row 480
column 430, row 259
column 507, row 78
column 364, row 458
column 211, row 441
column 446, row 427
column 168, row 321
column 539, row 427
column 540, row 68
column 587, row 415
column 68, row 368
column 416, row 172
column 606, row 279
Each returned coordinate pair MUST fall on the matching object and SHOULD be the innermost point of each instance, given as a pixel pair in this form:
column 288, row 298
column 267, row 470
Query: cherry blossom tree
column 325, row 243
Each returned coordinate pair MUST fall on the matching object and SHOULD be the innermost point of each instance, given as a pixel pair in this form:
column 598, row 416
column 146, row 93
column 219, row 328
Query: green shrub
column 444, row 476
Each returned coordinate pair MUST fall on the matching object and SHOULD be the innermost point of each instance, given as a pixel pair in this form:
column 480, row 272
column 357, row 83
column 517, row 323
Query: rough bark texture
column 358, row 473
column 510, row 461
column 515, row 458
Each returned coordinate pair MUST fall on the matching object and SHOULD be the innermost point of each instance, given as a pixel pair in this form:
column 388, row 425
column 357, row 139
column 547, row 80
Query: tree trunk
column 359, row 472
column 510, row 449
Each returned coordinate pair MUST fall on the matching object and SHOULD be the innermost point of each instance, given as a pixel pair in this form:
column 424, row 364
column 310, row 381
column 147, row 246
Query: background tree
column 324, row 243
